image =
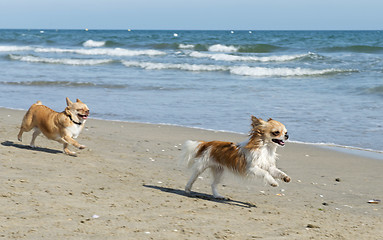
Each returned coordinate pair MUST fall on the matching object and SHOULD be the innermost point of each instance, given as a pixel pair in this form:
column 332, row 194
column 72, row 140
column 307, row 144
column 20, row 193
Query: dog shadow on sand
column 27, row 147
column 203, row 196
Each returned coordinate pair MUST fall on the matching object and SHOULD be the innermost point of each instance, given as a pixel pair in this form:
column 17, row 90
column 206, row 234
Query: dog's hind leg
column 34, row 136
column 26, row 126
column 20, row 135
column 217, row 176
column 197, row 171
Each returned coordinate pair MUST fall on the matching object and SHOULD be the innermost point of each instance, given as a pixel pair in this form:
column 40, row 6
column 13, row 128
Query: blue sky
column 193, row 14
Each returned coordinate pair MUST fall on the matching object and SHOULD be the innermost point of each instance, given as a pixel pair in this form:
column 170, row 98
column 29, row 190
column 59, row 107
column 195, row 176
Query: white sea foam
column 91, row 51
column 14, row 48
column 119, row 52
column 237, row 70
column 230, row 57
column 53, row 50
column 183, row 66
column 66, row 61
column 222, row 48
column 282, row 72
column 92, row 43
column 103, row 51
column 186, row 46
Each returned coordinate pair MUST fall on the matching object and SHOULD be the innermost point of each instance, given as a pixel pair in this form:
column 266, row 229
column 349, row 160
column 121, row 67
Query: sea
column 325, row 86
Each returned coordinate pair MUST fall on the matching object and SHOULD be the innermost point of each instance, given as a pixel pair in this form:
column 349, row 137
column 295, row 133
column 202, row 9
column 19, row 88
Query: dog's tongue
column 83, row 116
column 280, row 142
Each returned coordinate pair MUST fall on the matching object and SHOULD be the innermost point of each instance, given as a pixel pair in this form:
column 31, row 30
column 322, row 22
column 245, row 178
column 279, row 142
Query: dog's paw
column 287, row 179
column 219, row 197
column 81, row 146
column 274, row 184
column 70, row 153
column 188, row 190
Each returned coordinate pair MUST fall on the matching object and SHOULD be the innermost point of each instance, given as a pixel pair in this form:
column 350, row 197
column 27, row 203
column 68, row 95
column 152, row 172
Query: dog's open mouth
column 279, row 142
column 83, row 116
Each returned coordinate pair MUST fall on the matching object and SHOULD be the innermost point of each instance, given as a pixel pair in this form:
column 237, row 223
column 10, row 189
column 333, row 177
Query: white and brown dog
column 254, row 157
column 61, row 127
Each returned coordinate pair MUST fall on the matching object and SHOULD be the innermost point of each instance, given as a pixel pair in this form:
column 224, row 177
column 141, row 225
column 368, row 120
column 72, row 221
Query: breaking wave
column 91, row 43
column 237, row 70
column 186, row 46
column 222, row 48
column 229, row 57
column 103, row 51
column 179, row 66
column 89, row 51
column 256, row 48
column 14, row 48
column 284, row 72
column 66, row 61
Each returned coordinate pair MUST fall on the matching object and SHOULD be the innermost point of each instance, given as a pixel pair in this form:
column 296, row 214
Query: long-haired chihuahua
column 253, row 157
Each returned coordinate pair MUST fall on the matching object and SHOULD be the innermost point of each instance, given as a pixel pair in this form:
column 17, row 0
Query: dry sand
column 127, row 185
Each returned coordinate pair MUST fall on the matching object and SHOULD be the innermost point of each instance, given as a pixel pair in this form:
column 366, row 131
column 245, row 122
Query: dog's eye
column 276, row 133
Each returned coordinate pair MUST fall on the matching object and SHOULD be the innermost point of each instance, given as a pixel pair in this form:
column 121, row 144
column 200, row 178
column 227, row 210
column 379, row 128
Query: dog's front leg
column 68, row 140
column 73, row 142
column 275, row 172
column 69, row 152
column 257, row 171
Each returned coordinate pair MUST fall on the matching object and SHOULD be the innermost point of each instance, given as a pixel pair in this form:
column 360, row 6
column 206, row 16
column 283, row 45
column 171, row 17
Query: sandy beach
column 127, row 184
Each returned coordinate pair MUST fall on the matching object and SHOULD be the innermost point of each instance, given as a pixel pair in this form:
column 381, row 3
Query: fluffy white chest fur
column 75, row 130
column 265, row 157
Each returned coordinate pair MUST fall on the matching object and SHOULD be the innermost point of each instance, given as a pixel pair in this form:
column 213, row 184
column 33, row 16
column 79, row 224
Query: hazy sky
column 193, row 14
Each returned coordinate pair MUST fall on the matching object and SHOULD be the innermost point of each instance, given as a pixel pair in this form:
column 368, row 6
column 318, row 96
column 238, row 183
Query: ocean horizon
column 325, row 86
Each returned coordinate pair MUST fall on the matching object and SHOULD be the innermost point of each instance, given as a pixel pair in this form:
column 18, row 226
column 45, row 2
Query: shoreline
column 363, row 152
column 127, row 185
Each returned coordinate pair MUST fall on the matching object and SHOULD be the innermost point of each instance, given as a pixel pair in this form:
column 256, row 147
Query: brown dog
column 61, row 127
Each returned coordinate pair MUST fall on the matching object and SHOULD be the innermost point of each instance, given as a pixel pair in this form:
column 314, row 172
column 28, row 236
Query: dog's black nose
column 286, row 136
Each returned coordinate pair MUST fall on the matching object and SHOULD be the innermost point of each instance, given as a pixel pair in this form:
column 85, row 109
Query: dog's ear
column 270, row 119
column 255, row 122
column 67, row 111
column 68, row 102
column 78, row 100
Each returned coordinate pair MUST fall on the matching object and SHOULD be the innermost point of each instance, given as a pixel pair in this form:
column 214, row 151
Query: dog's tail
column 189, row 151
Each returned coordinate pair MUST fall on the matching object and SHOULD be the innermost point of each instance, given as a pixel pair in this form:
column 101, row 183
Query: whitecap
column 119, row 52
column 92, row 43
column 229, row 57
column 14, row 48
column 282, row 72
column 222, row 48
column 186, row 46
column 65, row 61
column 103, row 51
column 180, row 66
column 237, row 70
